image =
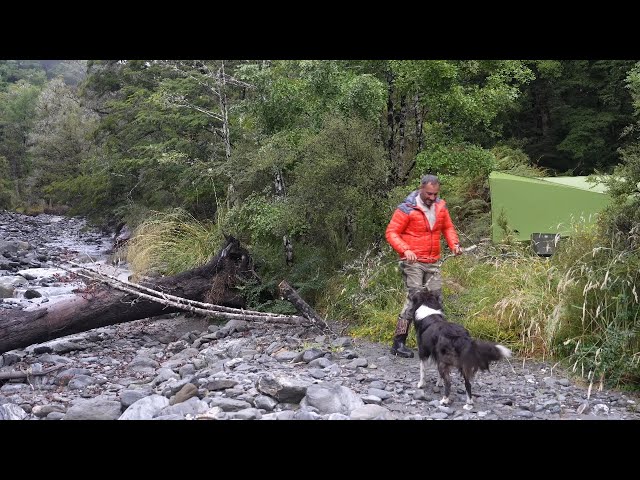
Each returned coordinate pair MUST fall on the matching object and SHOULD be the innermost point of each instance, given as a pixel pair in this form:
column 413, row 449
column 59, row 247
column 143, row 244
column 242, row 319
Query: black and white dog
column 449, row 345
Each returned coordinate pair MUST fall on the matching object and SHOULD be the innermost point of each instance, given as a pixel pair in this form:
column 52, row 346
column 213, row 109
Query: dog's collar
column 424, row 311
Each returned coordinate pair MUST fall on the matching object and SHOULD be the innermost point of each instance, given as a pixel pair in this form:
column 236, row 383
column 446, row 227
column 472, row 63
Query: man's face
column 429, row 193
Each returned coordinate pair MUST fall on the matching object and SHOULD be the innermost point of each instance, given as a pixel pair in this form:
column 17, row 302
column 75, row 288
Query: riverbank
column 182, row 367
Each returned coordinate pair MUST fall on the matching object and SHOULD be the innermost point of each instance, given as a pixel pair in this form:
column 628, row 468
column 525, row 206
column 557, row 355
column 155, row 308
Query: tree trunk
column 222, row 97
column 401, row 124
column 288, row 250
column 280, row 194
column 390, row 123
column 396, row 140
column 419, row 113
column 99, row 305
column 349, row 228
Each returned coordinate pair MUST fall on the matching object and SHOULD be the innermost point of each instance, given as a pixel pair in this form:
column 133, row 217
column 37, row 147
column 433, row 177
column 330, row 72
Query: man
column 414, row 232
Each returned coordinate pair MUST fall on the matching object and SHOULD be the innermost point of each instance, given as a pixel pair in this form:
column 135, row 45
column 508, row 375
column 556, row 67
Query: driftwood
column 290, row 294
column 28, row 373
column 100, row 305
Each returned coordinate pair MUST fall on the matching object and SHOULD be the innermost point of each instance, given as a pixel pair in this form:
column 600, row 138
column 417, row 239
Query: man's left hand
column 457, row 250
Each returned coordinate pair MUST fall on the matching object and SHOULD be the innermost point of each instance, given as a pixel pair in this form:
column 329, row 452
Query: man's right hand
column 409, row 256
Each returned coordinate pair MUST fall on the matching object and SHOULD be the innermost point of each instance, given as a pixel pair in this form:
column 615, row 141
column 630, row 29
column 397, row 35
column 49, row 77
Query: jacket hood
column 411, row 201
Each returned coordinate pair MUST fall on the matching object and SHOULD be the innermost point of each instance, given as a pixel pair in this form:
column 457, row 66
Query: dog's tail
column 482, row 353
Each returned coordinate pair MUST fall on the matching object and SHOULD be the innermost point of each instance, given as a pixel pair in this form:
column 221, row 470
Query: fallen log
column 208, row 309
column 99, row 305
column 171, row 300
column 289, row 293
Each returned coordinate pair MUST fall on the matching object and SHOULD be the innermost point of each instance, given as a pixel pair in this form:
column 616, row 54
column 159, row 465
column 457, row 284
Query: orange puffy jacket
column 410, row 230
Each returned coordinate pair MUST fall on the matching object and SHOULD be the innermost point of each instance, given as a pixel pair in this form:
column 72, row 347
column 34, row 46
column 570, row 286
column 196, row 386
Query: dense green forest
column 305, row 161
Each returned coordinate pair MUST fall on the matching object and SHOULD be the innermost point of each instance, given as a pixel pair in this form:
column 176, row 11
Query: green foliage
column 21, row 71
column 597, row 326
column 515, row 161
column 295, row 94
column 549, row 69
column 341, row 165
column 283, row 106
column 6, row 185
column 267, row 219
column 450, row 160
column 572, row 115
column 17, row 106
column 337, row 184
column 60, row 139
column 633, row 85
column 73, row 72
column 465, row 98
column 158, row 147
column 310, row 273
column 508, row 235
column 363, row 96
column 98, row 206
column 622, row 222
column 583, row 136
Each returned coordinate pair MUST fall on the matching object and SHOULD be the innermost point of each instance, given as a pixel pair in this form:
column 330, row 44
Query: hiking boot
column 399, row 348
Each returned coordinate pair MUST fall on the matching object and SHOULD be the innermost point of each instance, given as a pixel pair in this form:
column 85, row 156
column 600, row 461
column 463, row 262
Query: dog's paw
column 421, row 384
column 468, row 406
column 445, row 401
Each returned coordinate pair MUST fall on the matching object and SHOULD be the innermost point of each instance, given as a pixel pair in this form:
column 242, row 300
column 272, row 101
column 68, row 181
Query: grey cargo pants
column 417, row 276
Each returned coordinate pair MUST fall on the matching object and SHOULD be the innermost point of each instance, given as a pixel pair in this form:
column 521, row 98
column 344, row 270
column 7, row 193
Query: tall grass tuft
column 598, row 330
column 503, row 296
column 367, row 294
column 171, row 242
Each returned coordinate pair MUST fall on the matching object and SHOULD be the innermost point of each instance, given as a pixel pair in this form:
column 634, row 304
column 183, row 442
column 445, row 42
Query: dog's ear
column 432, row 300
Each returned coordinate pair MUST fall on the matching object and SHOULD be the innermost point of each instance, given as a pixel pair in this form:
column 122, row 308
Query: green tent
column 542, row 205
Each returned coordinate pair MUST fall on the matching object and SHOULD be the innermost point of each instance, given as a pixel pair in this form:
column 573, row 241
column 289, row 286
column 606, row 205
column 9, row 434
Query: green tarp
column 542, row 205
